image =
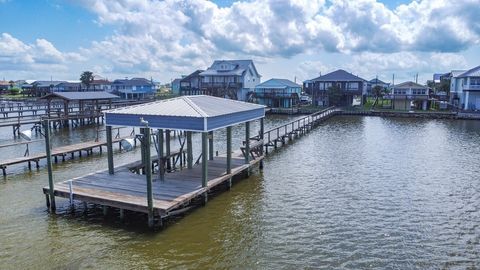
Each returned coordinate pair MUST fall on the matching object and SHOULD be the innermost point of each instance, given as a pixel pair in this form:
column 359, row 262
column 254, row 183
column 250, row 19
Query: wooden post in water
column 189, row 150
column 262, row 130
column 210, row 145
column 247, row 142
column 148, row 171
column 229, row 149
column 110, row 150
column 161, row 169
column 48, row 150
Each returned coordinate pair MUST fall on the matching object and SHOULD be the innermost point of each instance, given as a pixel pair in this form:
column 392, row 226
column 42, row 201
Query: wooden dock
column 126, row 190
column 281, row 135
column 57, row 153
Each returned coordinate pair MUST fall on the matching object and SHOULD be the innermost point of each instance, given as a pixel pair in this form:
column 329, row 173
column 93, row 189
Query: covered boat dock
column 149, row 185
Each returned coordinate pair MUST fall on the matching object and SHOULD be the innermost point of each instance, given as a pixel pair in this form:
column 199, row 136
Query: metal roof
column 408, row 85
column 474, row 72
column 338, row 76
column 90, row 95
column 377, row 81
column 133, row 81
column 221, row 68
column 278, row 83
column 194, row 113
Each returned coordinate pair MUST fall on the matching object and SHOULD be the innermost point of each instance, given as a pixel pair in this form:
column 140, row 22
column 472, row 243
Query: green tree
column 34, row 90
column 445, row 86
column 86, row 78
column 335, row 95
column 12, row 83
column 378, row 91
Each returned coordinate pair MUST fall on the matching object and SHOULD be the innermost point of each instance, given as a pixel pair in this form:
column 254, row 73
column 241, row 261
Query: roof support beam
column 204, row 159
column 247, row 142
column 189, row 150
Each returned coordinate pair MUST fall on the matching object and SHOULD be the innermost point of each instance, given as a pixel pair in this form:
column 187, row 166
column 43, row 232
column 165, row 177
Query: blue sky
column 293, row 39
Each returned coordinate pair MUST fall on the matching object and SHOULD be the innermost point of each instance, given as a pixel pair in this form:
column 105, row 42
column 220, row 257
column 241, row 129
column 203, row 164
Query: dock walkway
column 59, row 152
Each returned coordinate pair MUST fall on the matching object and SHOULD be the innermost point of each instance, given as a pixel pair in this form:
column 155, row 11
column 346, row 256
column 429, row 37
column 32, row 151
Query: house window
column 353, row 86
column 475, row 81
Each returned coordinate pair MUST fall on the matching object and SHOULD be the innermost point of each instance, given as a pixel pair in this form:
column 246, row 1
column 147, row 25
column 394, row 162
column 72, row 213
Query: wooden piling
column 189, row 150
column 46, row 125
column 109, row 150
column 204, row 159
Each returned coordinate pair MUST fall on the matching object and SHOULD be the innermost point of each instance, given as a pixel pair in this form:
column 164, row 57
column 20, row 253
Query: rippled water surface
column 355, row 193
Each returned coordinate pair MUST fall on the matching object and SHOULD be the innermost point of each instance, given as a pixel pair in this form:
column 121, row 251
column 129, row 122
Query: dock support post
column 229, row 150
column 161, row 169
column 110, row 150
column 148, row 172
column 262, row 135
column 210, row 145
column 204, row 159
column 189, row 150
column 51, row 192
column 167, row 149
column 247, row 142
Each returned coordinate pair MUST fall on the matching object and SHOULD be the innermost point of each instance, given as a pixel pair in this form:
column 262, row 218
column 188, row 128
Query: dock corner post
column 51, row 187
column 148, row 173
column 204, row 159
column 229, row 150
column 210, row 145
column 262, row 136
column 110, row 150
column 189, row 150
column 247, row 142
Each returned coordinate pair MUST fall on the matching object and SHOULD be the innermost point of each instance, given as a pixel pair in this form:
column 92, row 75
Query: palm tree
column 86, row 78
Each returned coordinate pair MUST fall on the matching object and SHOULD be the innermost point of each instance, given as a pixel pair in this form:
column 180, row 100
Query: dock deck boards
column 127, row 190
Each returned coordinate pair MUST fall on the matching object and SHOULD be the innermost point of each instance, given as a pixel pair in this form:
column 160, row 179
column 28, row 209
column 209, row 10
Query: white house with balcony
column 465, row 88
column 234, row 79
column 406, row 94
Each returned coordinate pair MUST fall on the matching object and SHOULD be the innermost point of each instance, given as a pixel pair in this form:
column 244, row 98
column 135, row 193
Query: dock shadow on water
column 355, row 193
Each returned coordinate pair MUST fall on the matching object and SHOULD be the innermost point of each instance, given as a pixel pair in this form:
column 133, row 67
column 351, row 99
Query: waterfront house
column 455, row 90
column 234, row 79
column 176, row 86
column 407, row 93
column 465, row 88
column 100, row 84
column 67, row 87
column 134, row 88
column 351, row 87
column 41, row 88
column 278, row 93
column 190, row 85
column 4, row 86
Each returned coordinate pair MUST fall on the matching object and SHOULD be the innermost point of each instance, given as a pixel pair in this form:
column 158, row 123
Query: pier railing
column 290, row 130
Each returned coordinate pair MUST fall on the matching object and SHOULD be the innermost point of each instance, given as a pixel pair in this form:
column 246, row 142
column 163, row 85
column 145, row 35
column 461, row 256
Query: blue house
column 278, row 93
column 134, row 88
